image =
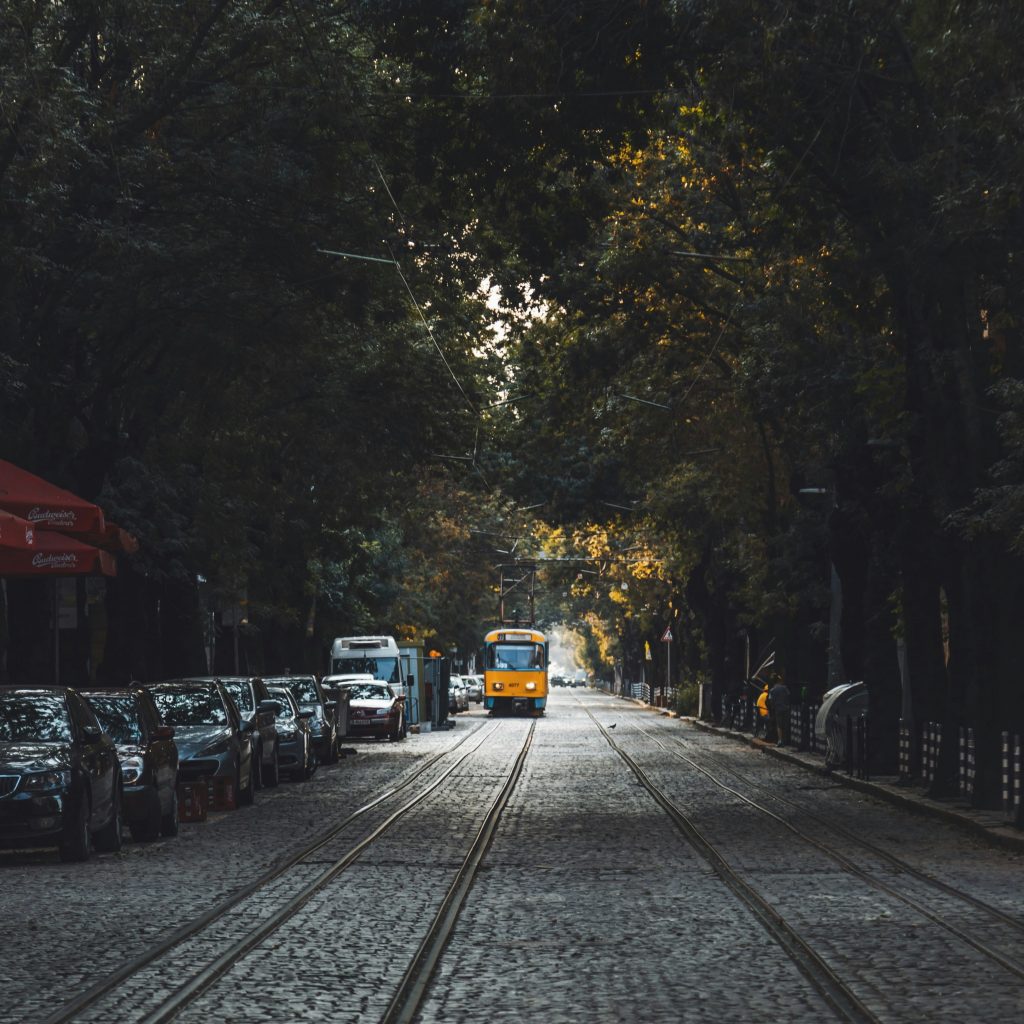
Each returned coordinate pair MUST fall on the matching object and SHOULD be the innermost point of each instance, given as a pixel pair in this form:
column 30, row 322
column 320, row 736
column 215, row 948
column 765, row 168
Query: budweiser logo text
column 53, row 516
column 64, row 560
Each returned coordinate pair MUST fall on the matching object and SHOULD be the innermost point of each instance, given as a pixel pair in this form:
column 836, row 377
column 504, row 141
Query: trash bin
column 839, row 703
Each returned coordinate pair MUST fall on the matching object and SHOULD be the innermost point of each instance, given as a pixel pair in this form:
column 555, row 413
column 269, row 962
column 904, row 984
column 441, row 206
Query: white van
column 374, row 655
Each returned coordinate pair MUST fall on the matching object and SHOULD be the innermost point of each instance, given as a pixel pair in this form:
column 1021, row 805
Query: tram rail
column 1013, row 966
column 413, row 988
column 191, row 988
column 840, row 997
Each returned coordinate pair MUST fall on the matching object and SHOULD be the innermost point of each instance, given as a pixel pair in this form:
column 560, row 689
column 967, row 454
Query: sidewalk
column 988, row 825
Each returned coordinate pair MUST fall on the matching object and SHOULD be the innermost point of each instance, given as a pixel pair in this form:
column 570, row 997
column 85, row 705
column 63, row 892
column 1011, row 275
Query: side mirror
column 246, row 727
column 91, row 733
column 330, row 705
column 271, row 706
column 307, row 714
column 164, row 732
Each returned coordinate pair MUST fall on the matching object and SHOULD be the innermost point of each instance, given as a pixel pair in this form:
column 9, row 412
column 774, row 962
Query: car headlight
column 531, row 686
column 132, row 769
column 497, row 686
column 35, row 782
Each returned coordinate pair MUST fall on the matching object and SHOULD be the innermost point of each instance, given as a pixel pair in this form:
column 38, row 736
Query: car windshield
column 385, row 669
column 118, row 718
column 516, row 656
column 304, row 690
column 34, row 718
column 280, row 694
column 181, row 706
column 369, row 691
column 242, row 692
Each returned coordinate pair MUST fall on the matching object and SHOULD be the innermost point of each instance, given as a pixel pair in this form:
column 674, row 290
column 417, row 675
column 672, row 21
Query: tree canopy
column 316, row 298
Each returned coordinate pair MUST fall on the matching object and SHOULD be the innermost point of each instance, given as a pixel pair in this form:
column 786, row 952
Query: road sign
column 666, row 637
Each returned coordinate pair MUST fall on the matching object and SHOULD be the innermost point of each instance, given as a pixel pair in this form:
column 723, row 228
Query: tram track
column 415, row 982
column 189, row 990
column 993, row 917
column 897, row 863
column 840, row 997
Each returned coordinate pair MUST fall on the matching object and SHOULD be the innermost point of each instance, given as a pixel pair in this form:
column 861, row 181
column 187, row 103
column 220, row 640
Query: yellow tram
column 515, row 670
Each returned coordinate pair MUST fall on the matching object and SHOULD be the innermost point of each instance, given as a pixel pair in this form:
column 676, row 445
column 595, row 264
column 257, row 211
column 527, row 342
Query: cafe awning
column 51, row 508
column 47, row 506
column 55, row 554
column 16, row 532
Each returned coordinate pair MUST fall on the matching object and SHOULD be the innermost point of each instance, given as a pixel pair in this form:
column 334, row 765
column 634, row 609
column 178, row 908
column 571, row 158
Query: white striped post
column 1016, row 774
column 970, row 763
column 1006, row 774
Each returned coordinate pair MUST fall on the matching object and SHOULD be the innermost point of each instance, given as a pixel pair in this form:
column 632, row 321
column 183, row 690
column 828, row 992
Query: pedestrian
column 778, row 705
column 761, row 724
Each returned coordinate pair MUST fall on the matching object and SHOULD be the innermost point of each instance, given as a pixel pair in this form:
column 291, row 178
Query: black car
column 212, row 738
column 323, row 724
column 60, row 781
column 257, row 708
column 149, row 759
column 298, row 758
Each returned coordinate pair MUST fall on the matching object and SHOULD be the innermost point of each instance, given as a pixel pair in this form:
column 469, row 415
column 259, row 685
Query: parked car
column 213, row 740
column 376, row 710
column 323, row 725
column 458, row 700
column 149, row 759
column 474, row 688
column 298, row 758
column 60, row 781
column 256, row 707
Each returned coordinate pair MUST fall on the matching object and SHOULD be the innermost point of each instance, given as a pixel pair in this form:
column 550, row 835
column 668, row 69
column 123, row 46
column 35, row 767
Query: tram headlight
column 497, row 686
column 531, row 686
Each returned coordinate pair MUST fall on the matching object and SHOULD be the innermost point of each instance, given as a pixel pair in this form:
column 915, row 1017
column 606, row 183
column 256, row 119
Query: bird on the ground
column 612, row 726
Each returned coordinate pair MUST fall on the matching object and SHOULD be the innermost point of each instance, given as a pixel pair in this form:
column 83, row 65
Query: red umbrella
column 53, row 554
column 15, row 532
column 52, row 508
column 47, row 506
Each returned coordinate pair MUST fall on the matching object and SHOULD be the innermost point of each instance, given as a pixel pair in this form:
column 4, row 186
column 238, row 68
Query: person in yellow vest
column 761, row 725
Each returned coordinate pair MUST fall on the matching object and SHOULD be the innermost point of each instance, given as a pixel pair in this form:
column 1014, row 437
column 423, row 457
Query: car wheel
column 74, row 843
column 169, row 822
column 108, row 839
column 148, row 829
column 272, row 776
column 247, row 796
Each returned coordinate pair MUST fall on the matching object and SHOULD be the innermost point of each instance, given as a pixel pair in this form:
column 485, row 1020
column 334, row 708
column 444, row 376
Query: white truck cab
column 373, row 655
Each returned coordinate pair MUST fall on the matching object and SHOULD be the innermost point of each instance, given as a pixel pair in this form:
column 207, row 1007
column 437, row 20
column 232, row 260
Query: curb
column 978, row 823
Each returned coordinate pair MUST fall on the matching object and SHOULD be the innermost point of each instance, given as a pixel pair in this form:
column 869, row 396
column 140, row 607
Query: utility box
column 411, row 654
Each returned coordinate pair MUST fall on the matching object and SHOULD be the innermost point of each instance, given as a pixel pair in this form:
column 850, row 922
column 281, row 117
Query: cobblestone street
column 591, row 904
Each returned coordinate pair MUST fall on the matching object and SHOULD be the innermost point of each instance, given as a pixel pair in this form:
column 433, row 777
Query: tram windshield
column 516, row 656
